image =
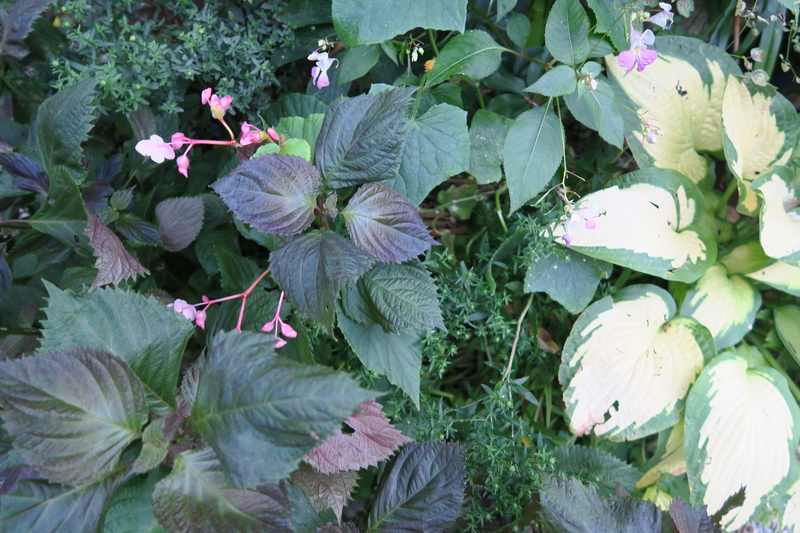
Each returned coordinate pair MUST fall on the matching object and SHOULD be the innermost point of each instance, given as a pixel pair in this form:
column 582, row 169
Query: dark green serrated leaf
column 556, row 82
column 571, row 279
column 383, row 223
column 567, row 32
column 612, row 19
column 357, row 62
column 301, row 105
column 208, row 243
column 598, row 110
column 155, row 446
column 196, row 498
column 274, row 194
column 137, row 230
column 237, row 271
column 312, row 268
column 71, row 413
column 259, row 410
column 179, row 221
column 5, row 272
column 437, row 148
column 421, row 490
column 141, row 331
column 592, row 465
column 487, row 134
column 302, row 128
column 474, row 54
column 130, row 509
column 62, row 215
column 17, row 24
column 362, row 138
column 690, row 519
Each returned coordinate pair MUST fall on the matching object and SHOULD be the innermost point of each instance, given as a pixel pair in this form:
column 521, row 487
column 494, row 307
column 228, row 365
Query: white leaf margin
column 780, row 215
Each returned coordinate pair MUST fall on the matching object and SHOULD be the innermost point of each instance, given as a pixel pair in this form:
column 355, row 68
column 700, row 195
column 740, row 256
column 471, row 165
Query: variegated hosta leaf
column 780, row 215
column 627, row 364
column 726, row 305
column 742, row 428
column 791, row 512
column 648, row 222
column 758, row 134
column 779, row 275
column 745, row 258
column 681, row 94
column 672, row 462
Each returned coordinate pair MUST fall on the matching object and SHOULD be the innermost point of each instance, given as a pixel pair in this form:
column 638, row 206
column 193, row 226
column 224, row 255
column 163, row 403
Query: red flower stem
column 244, row 296
column 204, row 141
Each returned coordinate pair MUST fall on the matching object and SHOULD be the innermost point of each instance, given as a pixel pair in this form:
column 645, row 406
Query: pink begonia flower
column 218, row 105
column 664, row 17
column 638, row 56
column 184, row 308
column 273, row 134
column 285, row 329
column 585, row 215
column 651, row 137
column 200, row 319
column 183, row 165
column 319, row 73
column 179, row 139
column 155, row 148
column 251, row 135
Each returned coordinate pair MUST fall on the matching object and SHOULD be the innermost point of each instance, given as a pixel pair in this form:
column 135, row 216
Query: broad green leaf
column 421, row 490
column 681, row 94
column 196, row 498
column 787, row 323
column 474, row 54
column 745, row 258
column 71, row 413
column 629, row 362
column 179, row 221
column 113, row 263
column 559, row 81
column 612, row 19
column 742, row 428
column 362, row 138
column 758, row 126
column 208, row 243
column 673, row 461
column 63, row 215
column 301, row 105
column 780, row 215
column 779, row 275
column 570, row 279
column 532, row 153
column 311, row 269
column 155, row 446
column 326, row 491
column 503, row 7
column 140, row 330
column 726, row 305
column 437, row 148
column 518, row 28
column 40, row 506
column 384, row 224
column 487, row 135
column 305, row 518
column 566, row 34
column 647, row 222
column 397, row 356
column 274, row 194
column 598, row 110
column 130, row 510
column 62, row 123
column 360, row 22
column 592, row 465
column 261, row 412
column 357, row 62
column 296, row 147
column 302, row 128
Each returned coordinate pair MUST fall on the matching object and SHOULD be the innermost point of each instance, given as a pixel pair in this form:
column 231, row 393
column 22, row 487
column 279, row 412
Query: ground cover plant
column 480, row 265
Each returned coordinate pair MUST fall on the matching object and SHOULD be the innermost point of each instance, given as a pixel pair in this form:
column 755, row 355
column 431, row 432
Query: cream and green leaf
column 629, row 362
column 779, row 275
column 758, row 126
column 681, row 93
column 745, row 258
column 673, row 460
column 648, row 221
column 787, row 324
column 726, row 305
column 742, row 428
column 780, row 214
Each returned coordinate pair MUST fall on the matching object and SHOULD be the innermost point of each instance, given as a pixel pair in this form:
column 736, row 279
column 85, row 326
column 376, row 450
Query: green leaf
column 397, row 356
column 302, row 128
column 196, row 498
column 532, row 153
column 384, row 224
column 597, row 467
column 141, row 331
column 179, row 221
column 209, row 243
column 62, row 123
column 301, row 105
column 780, row 275
column 612, row 19
column 779, row 224
column 261, row 412
column 155, row 446
column 629, row 362
column 297, row 147
column 755, row 404
column 130, row 510
column 311, row 269
column 503, row 7
column 362, row 138
column 518, row 27
column 357, row 62
column 787, row 317
column 113, row 263
column 598, row 110
column 17, row 23
column 556, row 82
column 274, row 194
column 238, row 272
column 474, row 54
column 63, row 215
column 566, row 34
column 71, row 413
column 326, row 491
column 437, row 148
column 360, row 22
column 569, row 279
column 421, row 489
column 487, row 134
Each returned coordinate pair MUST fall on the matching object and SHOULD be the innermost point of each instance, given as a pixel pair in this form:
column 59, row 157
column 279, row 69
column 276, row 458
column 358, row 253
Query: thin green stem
column 722, row 208
column 433, row 42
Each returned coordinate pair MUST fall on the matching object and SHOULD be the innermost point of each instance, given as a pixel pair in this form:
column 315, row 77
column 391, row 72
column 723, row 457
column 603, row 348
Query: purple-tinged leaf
column 373, row 440
column 274, row 194
column 333, row 527
column 382, row 222
column 31, row 176
column 137, row 230
column 113, row 261
column 110, row 168
column 326, row 490
column 690, row 519
column 17, row 24
column 94, row 196
column 179, row 221
column 5, row 271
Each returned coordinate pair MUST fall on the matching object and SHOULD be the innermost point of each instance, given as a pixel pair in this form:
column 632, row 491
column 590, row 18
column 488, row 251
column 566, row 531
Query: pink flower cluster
column 639, row 55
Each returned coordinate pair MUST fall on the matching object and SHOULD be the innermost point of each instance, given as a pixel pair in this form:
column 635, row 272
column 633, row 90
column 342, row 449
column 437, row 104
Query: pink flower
column 275, row 323
column 218, row 105
column 183, row 165
column 251, row 135
column 585, row 215
column 179, row 139
column 200, row 319
column 319, row 73
column 638, row 56
column 155, row 148
column 664, row 17
column 184, row 308
column 273, row 134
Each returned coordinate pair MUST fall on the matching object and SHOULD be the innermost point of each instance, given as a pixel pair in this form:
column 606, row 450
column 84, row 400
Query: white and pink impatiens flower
column 156, row 149
column 584, row 215
column 664, row 17
column 319, row 73
column 639, row 55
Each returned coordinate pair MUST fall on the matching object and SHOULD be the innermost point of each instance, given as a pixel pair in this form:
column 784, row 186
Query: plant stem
column 516, row 337
column 723, row 203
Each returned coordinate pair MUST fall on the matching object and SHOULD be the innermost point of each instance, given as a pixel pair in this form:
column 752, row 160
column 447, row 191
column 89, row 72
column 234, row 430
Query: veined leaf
column 421, row 490
column 313, row 267
column 592, row 465
column 566, row 34
column 383, row 223
column 113, row 263
column 556, row 82
column 569, row 279
column 262, row 413
column 63, row 215
column 672, row 462
column 649, row 222
column 787, row 319
column 474, row 54
column 130, row 509
column 759, row 133
column 17, row 22
column 358, row 61
column 196, row 498
column 274, row 194
column 742, row 428
column 780, row 215
column 326, row 491
column 179, row 221
column 598, row 110
column 71, row 413
column 726, row 305
column 141, row 331
column 628, row 364
column 487, row 135
column 612, row 18
column 745, row 258
column 306, row 129
column 779, row 275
